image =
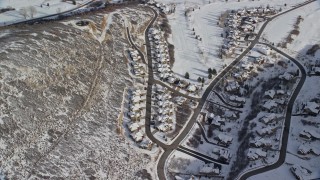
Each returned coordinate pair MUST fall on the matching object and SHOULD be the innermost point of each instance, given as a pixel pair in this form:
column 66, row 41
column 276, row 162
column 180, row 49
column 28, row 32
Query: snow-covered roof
column 306, row 149
column 270, row 93
column 254, row 154
column 208, row 169
column 237, row 99
column 299, row 172
column 268, row 118
column 225, row 138
column 134, row 127
column 270, row 104
column 267, row 130
column 164, row 127
column 192, row 88
column 312, row 107
column 280, row 92
column 137, row 136
column 262, row 142
column 287, row 76
column 310, row 134
column 232, row 85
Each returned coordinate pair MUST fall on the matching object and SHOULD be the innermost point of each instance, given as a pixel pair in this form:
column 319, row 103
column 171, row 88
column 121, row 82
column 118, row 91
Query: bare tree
column 23, row 11
column 32, row 10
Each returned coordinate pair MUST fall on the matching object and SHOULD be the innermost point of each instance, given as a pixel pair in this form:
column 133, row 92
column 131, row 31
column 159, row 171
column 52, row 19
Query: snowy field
column 309, row 29
column 196, row 56
column 55, row 6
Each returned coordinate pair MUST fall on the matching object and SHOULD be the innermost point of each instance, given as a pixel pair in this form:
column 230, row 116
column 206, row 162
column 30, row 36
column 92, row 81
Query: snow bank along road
column 52, row 15
column 168, row 149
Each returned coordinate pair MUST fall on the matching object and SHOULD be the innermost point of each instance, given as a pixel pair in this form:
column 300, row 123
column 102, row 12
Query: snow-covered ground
column 195, row 56
column 309, row 29
column 309, row 91
column 292, row 158
column 41, row 9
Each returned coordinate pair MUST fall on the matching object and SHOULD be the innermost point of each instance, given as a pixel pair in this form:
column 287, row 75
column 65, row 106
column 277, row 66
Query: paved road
column 227, row 107
column 154, row 81
column 202, row 158
column 168, row 149
column 49, row 16
column 225, row 102
column 202, row 155
column 283, row 150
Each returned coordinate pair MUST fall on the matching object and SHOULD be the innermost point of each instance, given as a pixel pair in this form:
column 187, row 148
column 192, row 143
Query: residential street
column 175, row 144
column 285, row 135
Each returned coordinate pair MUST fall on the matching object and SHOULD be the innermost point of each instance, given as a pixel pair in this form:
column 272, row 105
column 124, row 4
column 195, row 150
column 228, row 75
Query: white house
column 312, row 108
column 138, row 136
column 266, row 131
column 254, row 154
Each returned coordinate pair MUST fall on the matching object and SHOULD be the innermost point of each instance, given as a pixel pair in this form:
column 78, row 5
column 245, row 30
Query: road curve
column 49, row 16
column 168, row 149
column 285, row 136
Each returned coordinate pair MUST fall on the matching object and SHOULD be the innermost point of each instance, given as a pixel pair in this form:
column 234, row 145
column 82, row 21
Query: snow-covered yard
column 26, row 9
column 309, row 28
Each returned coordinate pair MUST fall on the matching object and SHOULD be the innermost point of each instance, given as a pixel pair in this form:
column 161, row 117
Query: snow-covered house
column 191, row 88
column 209, row 169
column 266, row 131
column 214, row 120
column 309, row 134
column 286, row 76
column 254, row 154
column 232, row 85
column 306, row 149
column 146, row 143
column 263, row 50
column 269, row 105
column 224, row 155
column 280, row 92
column 261, row 143
column 269, row 118
column 270, row 94
column 237, row 99
column 312, row 108
column 300, row 172
column 224, row 139
column 133, row 127
column 137, row 136
column 164, row 127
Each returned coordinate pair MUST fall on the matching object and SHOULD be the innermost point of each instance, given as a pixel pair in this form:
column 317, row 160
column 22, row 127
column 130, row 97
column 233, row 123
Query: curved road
column 154, row 81
column 285, row 136
column 168, row 149
column 48, row 16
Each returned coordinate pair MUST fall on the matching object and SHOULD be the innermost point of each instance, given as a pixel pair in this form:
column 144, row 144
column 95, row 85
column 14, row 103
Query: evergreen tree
column 187, row 76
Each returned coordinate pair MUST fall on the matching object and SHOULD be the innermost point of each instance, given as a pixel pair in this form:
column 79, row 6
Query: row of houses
column 138, row 68
column 161, row 61
column 164, row 108
column 137, row 103
column 241, row 24
column 136, row 112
